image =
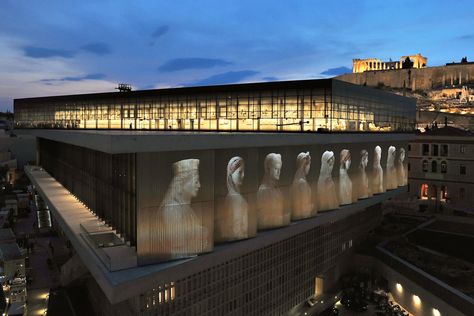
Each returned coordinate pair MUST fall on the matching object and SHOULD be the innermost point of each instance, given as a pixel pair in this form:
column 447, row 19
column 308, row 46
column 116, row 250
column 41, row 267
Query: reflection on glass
column 392, row 182
column 377, row 172
column 184, row 233
column 300, row 189
column 363, row 186
column 232, row 221
column 345, row 183
column 270, row 205
column 326, row 188
column 401, row 174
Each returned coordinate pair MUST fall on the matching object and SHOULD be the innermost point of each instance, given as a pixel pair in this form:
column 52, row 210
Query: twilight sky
column 52, row 47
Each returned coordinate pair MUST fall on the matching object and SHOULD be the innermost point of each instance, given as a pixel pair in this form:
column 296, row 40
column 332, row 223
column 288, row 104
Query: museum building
column 218, row 200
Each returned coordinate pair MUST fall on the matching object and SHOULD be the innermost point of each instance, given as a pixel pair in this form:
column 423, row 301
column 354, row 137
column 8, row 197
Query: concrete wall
column 414, row 79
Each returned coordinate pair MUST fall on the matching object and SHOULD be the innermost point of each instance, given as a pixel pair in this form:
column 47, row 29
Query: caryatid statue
column 377, row 172
column 345, row 183
column 363, row 187
column 232, row 221
column 392, row 182
column 184, row 233
column 327, row 198
column 401, row 174
column 302, row 207
column 270, row 204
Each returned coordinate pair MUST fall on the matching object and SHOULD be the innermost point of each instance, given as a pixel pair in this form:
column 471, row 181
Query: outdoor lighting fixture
column 436, row 312
column 416, row 300
column 399, row 287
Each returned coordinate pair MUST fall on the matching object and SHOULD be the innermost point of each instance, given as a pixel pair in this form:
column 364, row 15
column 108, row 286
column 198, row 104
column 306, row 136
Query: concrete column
column 460, row 78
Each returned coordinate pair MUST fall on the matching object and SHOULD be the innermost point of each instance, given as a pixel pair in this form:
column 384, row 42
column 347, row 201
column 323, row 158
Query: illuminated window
column 462, row 149
column 425, row 165
column 444, row 167
column 399, row 287
column 436, row 312
column 416, row 300
column 424, row 191
column 434, row 166
column 443, row 194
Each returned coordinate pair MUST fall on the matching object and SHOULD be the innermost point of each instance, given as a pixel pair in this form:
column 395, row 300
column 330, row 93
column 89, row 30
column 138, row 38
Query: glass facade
column 306, row 105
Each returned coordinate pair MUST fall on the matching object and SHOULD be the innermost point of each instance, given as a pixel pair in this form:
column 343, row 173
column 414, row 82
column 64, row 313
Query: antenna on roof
column 124, row 87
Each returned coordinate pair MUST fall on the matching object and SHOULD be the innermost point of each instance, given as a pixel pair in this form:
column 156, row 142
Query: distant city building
column 373, row 64
column 441, row 175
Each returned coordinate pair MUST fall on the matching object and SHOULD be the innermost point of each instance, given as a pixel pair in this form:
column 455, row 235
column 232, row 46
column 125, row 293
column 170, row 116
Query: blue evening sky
column 52, row 47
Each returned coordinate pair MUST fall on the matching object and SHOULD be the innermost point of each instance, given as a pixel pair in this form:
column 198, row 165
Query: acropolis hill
column 440, row 91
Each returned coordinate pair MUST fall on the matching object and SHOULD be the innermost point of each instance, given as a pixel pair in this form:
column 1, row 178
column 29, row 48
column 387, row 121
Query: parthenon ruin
column 373, row 64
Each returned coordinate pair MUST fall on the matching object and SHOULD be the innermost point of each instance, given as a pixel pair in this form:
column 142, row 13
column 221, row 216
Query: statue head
column 391, row 155
column 402, row 155
column 364, row 158
column 303, row 163
column 327, row 162
column 186, row 179
column 345, row 159
column 273, row 166
column 235, row 174
column 377, row 155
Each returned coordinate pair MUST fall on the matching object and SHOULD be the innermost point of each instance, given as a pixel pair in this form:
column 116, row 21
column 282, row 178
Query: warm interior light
column 399, row 287
column 416, row 300
column 436, row 312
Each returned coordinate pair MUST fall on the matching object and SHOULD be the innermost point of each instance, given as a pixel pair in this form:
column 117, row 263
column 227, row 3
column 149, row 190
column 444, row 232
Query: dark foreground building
column 238, row 199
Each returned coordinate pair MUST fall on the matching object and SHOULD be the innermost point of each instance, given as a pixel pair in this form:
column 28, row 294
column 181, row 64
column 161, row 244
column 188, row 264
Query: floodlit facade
column 441, row 170
column 237, row 211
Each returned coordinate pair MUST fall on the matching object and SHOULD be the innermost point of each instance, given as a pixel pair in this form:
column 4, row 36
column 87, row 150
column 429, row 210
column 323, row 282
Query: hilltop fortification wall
column 414, row 79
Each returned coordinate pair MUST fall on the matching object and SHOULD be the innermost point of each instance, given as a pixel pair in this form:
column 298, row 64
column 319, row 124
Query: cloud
column 96, row 76
column 160, row 31
column 42, row 52
column 191, row 63
column 224, row 78
column 97, row 48
column 336, row 71
column 270, row 78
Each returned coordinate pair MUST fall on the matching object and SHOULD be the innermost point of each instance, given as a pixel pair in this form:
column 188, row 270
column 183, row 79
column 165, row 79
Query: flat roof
column 132, row 141
column 227, row 88
column 123, row 284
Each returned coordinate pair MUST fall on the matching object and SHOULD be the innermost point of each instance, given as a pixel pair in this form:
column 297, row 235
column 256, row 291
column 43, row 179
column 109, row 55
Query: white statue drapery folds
column 302, row 207
column 271, row 211
column 392, row 182
column 183, row 230
column 327, row 197
column 345, row 183
column 232, row 219
column 377, row 172
column 363, row 187
column 401, row 173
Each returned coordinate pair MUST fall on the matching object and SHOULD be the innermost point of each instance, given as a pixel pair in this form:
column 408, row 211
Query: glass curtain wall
column 342, row 107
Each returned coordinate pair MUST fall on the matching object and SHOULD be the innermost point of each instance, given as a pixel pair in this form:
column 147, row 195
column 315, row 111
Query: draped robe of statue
column 392, row 182
column 363, row 187
column 327, row 197
column 184, row 234
column 345, row 183
column 377, row 172
column 302, row 206
column 401, row 174
column 271, row 211
column 232, row 221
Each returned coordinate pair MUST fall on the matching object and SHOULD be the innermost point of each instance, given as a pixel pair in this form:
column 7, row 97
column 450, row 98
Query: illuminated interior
column 252, row 107
column 424, row 191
